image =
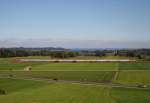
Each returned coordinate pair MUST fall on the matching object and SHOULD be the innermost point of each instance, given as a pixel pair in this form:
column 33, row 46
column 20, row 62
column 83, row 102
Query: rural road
column 77, row 60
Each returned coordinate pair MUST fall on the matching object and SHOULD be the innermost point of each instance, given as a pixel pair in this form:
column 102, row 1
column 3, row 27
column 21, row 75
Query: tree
column 99, row 53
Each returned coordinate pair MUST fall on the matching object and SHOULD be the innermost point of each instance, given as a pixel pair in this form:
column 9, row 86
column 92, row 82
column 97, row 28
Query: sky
column 75, row 23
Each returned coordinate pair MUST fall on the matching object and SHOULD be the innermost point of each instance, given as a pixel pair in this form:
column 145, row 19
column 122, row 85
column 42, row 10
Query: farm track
column 116, row 72
column 113, row 85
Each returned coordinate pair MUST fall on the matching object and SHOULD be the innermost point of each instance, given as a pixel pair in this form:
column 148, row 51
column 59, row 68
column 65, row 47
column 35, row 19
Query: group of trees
column 139, row 53
column 21, row 53
column 99, row 53
column 12, row 52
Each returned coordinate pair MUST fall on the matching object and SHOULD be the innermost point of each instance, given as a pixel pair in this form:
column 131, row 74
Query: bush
column 55, row 79
column 2, row 92
column 74, row 61
column 56, row 61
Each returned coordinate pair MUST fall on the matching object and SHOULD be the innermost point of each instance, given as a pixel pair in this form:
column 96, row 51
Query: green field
column 76, row 66
column 134, row 77
column 124, row 95
column 88, row 72
column 81, row 76
column 134, row 66
column 57, row 80
column 27, row 91
column 12, row 64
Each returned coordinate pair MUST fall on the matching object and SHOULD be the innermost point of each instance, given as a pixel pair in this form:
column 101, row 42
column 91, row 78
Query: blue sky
column 75, row 23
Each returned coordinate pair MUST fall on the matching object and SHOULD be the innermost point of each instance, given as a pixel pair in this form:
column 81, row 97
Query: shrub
column 2, row 92
column 56, row 61
column 74, row 61
column 55, row 79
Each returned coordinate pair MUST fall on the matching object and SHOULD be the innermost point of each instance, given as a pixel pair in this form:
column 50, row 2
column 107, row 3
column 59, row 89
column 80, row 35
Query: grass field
column 16, row 66
column 124, row 95
column 22, row 90
column 134, row 77
column 28, row 91
column 11, row 64
column 76, row 66
column 81, row 76
column 134, row 66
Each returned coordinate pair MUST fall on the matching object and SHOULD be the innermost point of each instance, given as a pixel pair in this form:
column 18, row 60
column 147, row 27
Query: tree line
column 21, row 53
column 12, row 52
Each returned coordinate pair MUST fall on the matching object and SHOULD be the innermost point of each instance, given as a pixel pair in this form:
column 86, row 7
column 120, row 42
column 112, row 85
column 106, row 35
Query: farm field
column 134, row 77
column 29, row 91
column 88, row 72
column 128, row 95
column 10, row 64
column 13, row 64
column 76, row 66
column 41, row 92
column 60, row 87
column 134, row 66
column 80, row 76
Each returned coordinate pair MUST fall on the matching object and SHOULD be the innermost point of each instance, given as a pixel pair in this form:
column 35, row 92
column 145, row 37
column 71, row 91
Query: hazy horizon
column 75, row 23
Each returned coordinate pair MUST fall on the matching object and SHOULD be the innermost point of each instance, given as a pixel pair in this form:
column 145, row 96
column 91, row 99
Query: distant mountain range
column 41, row 48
